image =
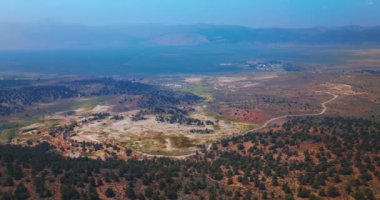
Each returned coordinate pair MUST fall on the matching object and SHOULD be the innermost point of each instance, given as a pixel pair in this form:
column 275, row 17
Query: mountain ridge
column 46, row 36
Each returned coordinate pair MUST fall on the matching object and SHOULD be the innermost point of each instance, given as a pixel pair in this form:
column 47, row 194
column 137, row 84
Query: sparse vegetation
column 327, row 157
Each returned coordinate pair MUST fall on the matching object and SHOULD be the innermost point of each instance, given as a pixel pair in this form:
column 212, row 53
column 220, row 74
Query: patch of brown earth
column 244, row 115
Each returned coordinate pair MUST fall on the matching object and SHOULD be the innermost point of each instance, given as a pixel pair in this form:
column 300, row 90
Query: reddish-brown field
column 243, row 115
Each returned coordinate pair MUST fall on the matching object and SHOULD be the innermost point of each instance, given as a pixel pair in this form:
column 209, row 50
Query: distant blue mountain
column 42, row 36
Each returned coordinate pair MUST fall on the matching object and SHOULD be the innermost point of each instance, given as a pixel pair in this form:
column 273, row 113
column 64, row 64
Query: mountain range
column 46, row 36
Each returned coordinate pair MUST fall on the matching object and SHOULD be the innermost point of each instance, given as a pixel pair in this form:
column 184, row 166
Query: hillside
column 308, row 158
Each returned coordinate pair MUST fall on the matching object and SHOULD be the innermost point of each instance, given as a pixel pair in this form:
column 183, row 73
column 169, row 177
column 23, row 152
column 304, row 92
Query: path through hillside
column 265, row 125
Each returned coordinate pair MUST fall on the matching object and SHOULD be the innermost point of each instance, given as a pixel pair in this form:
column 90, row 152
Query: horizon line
column 51, row 22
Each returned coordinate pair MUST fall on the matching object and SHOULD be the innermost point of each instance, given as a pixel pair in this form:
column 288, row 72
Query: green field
column 201, row 89
column 9, row 126
column 181, row 141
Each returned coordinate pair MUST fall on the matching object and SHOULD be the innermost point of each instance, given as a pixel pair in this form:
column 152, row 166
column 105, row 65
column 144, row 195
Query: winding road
column 265, row 125
column 324, row 109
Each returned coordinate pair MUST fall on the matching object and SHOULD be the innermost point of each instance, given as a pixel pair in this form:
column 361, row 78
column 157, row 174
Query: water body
column 151, row 60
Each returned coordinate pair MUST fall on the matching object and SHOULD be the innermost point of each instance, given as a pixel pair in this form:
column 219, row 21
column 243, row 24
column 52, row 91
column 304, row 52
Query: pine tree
column 21, row 192
column 110, row 193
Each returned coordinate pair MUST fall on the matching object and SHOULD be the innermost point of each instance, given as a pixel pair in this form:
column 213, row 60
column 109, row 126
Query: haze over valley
column 173, row 100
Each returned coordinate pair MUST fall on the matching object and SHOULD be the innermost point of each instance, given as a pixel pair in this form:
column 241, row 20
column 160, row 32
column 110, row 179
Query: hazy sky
column 255, row 13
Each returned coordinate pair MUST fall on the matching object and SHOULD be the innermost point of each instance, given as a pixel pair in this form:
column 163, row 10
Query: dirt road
column 265, row 125
column 324, row 109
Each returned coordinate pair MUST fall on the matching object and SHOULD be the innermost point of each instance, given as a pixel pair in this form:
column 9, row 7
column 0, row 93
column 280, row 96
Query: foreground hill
column 306, row 158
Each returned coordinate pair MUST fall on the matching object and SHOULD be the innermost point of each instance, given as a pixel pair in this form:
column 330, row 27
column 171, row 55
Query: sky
column 253, row 13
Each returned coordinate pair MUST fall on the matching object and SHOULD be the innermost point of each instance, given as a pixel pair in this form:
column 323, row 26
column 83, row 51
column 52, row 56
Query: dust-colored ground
column 339, row 88
column 193, row 79
column 146, row 135
column 365, row 58
column 234, row 102
column 257, row 97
